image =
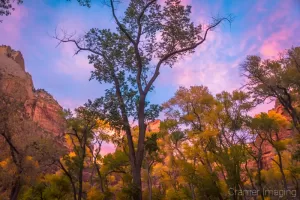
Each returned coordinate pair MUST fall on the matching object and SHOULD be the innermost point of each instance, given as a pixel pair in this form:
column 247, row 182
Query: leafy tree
column 276, row 79
column 125, row 59
column 255, row 150
column 81, row 132
column 213, row 136
column 192, row 108
column 52, row 186
column 269, row 125
column 99, row 136
column 230, row 118
column 116, row 173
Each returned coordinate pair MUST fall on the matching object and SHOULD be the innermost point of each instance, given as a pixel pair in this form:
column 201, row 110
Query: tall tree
column 99, row 136
column 276, row 79
column 193, row 108
column 230, row 117
column 81, row 133
column 213, row 134
column 255, row 151
column 269, row 126
column 149, row 37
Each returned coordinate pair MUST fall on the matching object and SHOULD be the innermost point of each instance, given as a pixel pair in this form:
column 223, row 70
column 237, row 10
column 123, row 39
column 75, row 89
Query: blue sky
column 262, row 28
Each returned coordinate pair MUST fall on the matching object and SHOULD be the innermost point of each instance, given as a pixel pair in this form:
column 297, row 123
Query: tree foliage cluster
column 6, row 7
column 208, row 146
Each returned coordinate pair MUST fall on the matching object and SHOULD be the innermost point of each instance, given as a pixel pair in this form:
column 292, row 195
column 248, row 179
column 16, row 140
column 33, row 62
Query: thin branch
column 69, row 39
column 167, row 56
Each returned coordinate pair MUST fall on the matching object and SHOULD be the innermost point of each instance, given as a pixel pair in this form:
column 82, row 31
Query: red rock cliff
column 16, row 83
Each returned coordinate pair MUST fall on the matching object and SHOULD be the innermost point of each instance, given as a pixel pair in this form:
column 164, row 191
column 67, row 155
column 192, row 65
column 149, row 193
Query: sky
column 263, row 28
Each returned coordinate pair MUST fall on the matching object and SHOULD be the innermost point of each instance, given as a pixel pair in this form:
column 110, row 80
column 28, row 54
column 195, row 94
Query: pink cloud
column 280, row 40
column 283, row 32
column 75, row 66
column 69, row 103
column 12, row 25
column 283, row 11
column 261, row 6
column 270, row 49
column 206, row 66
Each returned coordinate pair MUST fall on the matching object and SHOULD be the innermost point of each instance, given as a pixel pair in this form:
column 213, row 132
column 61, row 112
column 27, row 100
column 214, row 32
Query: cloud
column 75, row 66
column 69, row 103
column 261, row 6
column 280, row 29
column 11, row 27
column 209, row 66
column 284, row 38
column 77, row 23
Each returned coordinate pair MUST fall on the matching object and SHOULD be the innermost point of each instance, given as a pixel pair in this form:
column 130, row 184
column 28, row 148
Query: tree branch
column 119, row 23
column 69, row 39
column 167, row 56
column 140, row 18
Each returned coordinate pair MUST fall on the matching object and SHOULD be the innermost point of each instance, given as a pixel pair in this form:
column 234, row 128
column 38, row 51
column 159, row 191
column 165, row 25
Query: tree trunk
column 80, row 183
column 250, row 176
column 74, row 191
column 100, row 176
column 70, row 179
column 282, row 173
column 81, row 166
column 259, row 179
column 149, row 184
column 15, row 189
column 192, row 191
column 211, row 172
column 133, row 157
column 137, row 182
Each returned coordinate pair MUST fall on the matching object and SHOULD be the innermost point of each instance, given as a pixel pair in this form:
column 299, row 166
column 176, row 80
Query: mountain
column 17, row 84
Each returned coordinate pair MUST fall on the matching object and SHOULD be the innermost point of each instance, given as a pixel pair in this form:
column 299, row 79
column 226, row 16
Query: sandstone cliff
column 16, row 83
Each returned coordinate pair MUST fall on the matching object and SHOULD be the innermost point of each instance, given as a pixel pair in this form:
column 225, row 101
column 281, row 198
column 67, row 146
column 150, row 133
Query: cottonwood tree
column 276, row 79
column 95, row 148
column 229, row 119
column 255, row 151
column 192, row 107
column 269, row 126
column 213, row 127
column 51, row 186
column 81, row 128
column 149, row 36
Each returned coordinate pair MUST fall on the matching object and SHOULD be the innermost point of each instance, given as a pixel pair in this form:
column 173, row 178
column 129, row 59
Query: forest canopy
column 204, row 146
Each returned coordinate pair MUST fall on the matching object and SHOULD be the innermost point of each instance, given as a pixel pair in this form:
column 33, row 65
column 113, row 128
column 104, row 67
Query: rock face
column 153, row 126
column 16, row 83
